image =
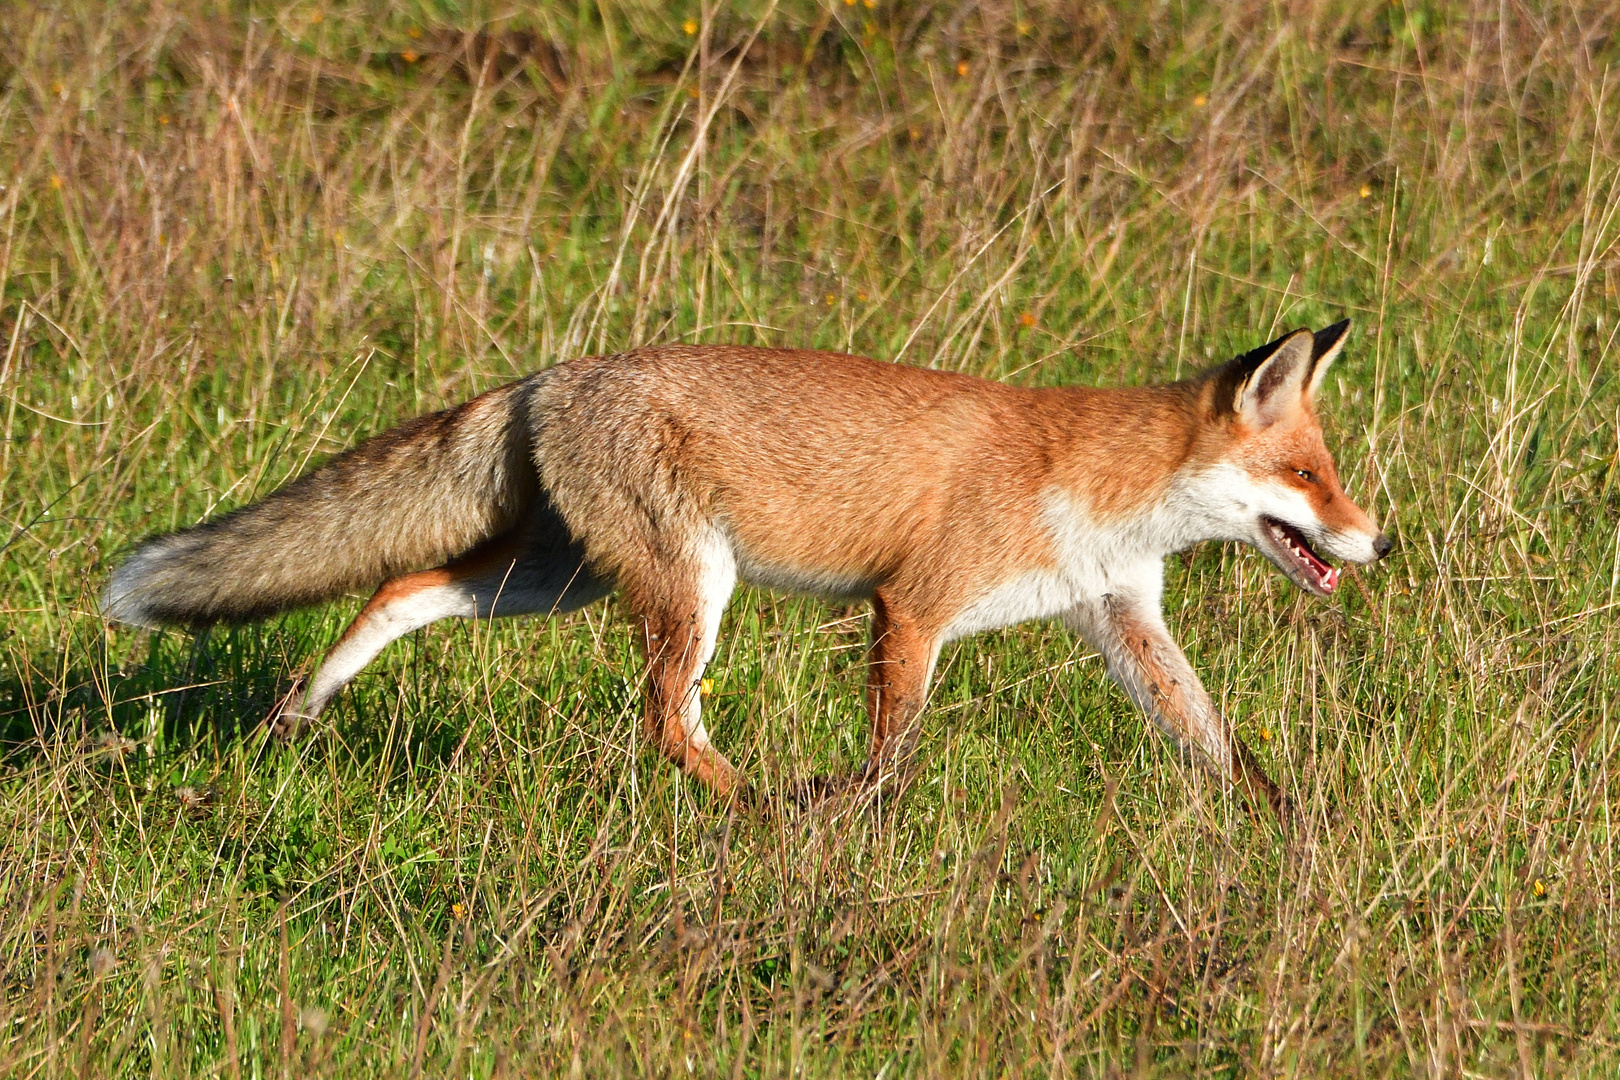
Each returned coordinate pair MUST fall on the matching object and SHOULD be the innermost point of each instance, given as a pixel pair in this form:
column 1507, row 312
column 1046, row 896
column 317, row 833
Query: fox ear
column 1325, row 346
column 1277, row 385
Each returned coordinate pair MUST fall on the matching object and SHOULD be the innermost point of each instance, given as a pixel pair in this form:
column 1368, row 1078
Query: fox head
column 1266, row 477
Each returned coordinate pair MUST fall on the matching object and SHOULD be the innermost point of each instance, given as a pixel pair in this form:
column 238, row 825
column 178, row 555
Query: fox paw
column 285, row 720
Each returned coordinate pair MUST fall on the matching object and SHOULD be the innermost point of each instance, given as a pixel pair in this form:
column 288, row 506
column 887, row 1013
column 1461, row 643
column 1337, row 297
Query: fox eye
column 1304, row 474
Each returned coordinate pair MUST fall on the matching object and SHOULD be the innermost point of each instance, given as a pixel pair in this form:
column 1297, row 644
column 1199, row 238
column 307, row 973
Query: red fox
column 670, row 473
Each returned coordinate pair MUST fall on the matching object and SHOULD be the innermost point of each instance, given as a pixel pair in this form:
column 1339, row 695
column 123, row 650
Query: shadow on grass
column 173, row 693
column 217, row 685
column 175, row 734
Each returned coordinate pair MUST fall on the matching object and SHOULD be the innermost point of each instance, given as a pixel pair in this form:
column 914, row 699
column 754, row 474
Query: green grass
column 236, row 238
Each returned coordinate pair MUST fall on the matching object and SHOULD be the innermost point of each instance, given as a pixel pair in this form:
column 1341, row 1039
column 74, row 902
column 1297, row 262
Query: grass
column 236, row 238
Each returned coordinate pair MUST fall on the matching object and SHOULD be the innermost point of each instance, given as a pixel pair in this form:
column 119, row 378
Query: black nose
column 1383, row 545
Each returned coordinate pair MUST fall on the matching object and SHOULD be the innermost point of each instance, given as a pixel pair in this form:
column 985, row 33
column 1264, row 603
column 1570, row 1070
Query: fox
column 669, row 474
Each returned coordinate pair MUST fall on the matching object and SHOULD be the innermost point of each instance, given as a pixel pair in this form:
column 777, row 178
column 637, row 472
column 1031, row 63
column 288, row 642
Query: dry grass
column 234, row 239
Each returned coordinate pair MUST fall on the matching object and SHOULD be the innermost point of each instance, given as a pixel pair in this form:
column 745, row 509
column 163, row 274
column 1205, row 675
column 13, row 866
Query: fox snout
column 1357, row 541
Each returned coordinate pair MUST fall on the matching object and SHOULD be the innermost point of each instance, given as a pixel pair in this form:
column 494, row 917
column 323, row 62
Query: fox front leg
column 900, row 667
column 1147, row 664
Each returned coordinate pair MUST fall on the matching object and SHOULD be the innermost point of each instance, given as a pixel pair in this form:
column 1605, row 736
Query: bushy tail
column 408, row 499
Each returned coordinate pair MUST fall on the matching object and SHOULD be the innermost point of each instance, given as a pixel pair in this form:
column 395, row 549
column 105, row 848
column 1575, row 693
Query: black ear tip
column 1327, row 337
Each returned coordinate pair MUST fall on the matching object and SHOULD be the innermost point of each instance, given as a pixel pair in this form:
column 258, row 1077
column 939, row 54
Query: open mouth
column 1295, row 554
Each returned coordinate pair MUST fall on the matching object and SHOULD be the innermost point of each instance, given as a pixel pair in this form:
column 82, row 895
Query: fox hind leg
column 527, row 571
column 677, row 606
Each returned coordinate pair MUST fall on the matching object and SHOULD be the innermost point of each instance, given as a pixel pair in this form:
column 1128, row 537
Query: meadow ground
column 236, row 238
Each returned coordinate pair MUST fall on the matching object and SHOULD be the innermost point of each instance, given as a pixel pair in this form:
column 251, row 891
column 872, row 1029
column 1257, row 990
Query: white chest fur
column 1093, row 559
